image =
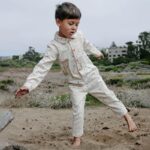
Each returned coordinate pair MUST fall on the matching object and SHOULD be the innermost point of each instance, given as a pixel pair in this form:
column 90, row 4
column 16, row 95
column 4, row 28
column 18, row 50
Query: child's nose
column 74, row 27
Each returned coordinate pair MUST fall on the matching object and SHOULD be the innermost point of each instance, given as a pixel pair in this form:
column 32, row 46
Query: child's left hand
column 22, row 91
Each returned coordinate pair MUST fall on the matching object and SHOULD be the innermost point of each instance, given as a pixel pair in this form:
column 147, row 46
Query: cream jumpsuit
column 83, row 76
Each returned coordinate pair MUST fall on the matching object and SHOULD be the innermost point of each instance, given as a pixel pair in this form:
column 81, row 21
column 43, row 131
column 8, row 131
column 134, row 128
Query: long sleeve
column 42, row 68
column 89, row 48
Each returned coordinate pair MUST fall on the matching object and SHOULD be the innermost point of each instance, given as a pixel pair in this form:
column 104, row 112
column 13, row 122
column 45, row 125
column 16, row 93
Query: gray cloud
column 31, row 22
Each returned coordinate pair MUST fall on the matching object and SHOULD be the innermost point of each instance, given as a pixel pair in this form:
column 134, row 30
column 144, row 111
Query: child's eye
column 71, row 23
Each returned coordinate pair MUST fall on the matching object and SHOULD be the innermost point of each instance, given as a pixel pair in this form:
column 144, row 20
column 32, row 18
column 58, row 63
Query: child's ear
column 58, row 22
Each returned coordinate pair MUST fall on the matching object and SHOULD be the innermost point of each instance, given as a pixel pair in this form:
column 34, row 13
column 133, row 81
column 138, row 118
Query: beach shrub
column 62, row 101
column 16, row 63
column 137, row 104
column 3, row 86
column 113, row 68
column 5, row 83
column 34, row 104
column 115, row 81
column 139, row 83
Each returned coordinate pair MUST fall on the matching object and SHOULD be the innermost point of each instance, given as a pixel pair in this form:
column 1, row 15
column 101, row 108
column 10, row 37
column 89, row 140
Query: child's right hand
column 22, row 91
column 101, row 56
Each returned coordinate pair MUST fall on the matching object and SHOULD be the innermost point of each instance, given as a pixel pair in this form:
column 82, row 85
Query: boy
column 71, row 48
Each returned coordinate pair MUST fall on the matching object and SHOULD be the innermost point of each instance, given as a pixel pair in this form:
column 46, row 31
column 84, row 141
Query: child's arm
column 39, row 71
column 91, row 49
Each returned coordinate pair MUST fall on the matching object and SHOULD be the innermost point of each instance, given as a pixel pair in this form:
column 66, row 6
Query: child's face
column 67, row 27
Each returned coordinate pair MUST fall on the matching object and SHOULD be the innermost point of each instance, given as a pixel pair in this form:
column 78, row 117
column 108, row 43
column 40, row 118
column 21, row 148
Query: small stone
column 105, row 128
column 137, row 143
column 136, row 114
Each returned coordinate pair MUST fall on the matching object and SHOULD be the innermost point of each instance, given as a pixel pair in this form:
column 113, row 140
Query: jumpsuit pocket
column 64, row 61
column 65, row 66
column 63, row 55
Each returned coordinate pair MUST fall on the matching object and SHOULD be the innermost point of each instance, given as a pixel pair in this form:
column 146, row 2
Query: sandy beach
column 47, row 129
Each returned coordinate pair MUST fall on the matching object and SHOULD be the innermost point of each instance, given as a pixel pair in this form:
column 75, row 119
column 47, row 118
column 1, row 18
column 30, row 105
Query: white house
column 5, row 58
column 115, row 52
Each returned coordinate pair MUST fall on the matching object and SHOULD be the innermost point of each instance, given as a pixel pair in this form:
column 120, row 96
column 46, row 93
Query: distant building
column 5, row 58
column 115, row 52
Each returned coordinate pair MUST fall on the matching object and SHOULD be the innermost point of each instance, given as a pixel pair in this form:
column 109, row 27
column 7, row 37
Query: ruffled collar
column 64, row 40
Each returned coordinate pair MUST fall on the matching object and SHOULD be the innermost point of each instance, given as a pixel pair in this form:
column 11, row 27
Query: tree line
column 141, row 49
column 136, row 51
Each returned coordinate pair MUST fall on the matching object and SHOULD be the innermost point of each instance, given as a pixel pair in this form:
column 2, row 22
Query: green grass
column 142, row 82
column 92, row 101
column 16, row 63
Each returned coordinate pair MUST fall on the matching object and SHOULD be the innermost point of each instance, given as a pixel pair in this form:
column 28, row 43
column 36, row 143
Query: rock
column 105, row 128
column 5, row 118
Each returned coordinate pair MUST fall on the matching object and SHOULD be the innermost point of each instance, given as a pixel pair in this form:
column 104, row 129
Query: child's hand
column 101, row 56
column 22, row 91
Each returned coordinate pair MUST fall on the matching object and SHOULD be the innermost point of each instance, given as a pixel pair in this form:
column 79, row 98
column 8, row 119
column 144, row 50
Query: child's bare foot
column 76, row 142
column 131, row 125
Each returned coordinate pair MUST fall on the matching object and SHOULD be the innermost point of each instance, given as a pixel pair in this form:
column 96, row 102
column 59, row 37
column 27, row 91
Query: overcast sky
column 25, row 23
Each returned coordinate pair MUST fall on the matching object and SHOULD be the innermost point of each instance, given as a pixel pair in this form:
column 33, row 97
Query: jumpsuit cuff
column 122, row 113
column 77, row 135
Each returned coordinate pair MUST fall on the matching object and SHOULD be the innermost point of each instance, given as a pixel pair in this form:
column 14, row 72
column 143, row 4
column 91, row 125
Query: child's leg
column 78, row 101
column 131, row 125
column 102, row 93
column 76, row 141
